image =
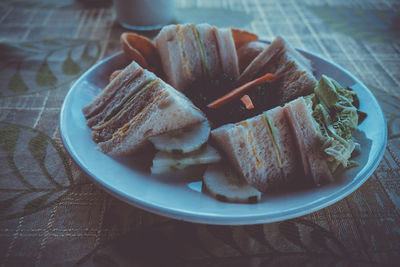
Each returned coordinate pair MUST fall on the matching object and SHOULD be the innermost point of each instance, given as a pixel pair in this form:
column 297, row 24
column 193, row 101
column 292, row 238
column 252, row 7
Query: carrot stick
column 246, row 100
column 269, row 77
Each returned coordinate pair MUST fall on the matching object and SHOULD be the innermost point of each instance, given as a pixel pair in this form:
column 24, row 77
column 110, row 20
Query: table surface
column 52, row 215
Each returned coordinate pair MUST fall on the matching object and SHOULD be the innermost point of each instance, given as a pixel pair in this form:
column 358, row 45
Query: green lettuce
column 337, row 119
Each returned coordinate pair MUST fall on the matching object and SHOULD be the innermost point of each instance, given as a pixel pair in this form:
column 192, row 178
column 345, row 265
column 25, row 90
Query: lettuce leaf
column 337, row 119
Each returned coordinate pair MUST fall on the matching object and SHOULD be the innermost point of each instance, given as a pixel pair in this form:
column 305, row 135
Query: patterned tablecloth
column 51, row 214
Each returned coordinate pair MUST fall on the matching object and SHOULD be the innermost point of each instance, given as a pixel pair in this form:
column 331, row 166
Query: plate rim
column 215, row 218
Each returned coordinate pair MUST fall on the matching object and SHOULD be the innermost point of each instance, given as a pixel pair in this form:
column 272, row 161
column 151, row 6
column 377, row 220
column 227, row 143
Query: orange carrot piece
column 131, row 52
column 246, row 100
column 269, row 77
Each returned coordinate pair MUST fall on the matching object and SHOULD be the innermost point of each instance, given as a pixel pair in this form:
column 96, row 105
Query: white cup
column 144, row 15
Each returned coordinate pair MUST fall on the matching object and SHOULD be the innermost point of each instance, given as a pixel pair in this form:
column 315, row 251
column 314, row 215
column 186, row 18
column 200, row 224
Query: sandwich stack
column 191, row 52
column 306, row 140
column 135, row 106
column 299, row 130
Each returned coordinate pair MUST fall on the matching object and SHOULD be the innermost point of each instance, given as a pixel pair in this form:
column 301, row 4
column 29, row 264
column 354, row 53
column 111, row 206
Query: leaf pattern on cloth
column 257, row 232
column 188, row 234
column 162, row 244
column 361, row 23
column 291, row 232
column 16, row 83
column 225, row 234
column 70, row 66
column 33, row 67
column 35, row 168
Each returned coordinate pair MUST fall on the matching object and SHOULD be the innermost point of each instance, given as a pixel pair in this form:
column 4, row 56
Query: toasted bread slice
column 138, row 111
column 167, row 111
column 227, row 52
column 248, row 52
column 191, row 52
column 260, row 63
column 249, row 145
column 274, row 149
column 182, row 54
column 122, row 94
column 208, row 41
column 132, row 105
column 308, row 141
column 285, row 144
column 283, row 52
column 120, row 84
column 293, row 69
column 292, row 82
column 170, row 50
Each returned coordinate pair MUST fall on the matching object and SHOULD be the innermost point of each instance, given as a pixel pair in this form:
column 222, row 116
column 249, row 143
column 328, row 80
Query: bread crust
column 191, row 52
column 227, row 53
column 170, row 51
column 128, row 74
column 285, row 142
column 209, row 43
column 249, row 146
column 308, row 141
column 282, row 59
column 248, row 52
column 137, row 106
column 140, row 100
column 122, row 93
column 167, row 112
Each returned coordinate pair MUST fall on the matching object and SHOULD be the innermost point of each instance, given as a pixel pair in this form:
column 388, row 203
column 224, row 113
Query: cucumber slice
column 225, row 185
column 183, row 140
column 165, row 162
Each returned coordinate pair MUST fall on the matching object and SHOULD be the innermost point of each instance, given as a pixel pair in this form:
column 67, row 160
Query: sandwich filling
column 200, row 41
column 126, row 102
column 272, row 132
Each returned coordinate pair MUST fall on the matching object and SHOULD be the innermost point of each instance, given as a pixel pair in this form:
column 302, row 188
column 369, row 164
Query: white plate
column 180, row 197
